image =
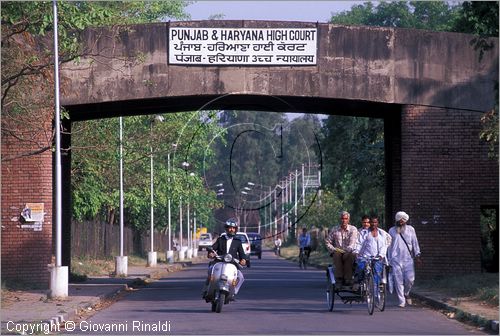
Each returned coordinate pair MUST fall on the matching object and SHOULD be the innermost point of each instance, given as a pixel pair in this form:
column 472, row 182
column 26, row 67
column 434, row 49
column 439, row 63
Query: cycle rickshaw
column 367, row 290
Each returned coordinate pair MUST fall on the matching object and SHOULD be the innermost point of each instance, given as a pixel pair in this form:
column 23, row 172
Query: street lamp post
column 195, row 248
column 58, row 273
column 170, row 252
column 188, row 249
column 181, row 248
column 192, row 246
column 121, row 262
column 152, row 257
column 263, row 188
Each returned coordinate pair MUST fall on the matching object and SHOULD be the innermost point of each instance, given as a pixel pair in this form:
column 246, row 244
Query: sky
column 307, row 11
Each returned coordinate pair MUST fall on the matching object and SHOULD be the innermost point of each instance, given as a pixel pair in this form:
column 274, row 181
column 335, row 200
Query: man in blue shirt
column 305, row 242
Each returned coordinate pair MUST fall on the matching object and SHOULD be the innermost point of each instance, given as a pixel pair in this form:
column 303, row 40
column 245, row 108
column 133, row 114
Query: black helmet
column 231, row 222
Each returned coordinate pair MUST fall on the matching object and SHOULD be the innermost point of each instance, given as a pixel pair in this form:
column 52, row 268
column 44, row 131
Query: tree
column 27, row 56
column 95, row 167
column 353, row 148
column 481, row 18
column 431, row 15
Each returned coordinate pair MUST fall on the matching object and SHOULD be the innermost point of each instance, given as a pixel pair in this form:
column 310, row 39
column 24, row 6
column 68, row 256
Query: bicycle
column 303, row 259
column 277, row 251
column 375, row 288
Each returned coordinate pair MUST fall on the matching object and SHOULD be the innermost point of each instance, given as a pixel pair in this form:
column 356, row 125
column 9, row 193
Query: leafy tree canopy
column 432, row 15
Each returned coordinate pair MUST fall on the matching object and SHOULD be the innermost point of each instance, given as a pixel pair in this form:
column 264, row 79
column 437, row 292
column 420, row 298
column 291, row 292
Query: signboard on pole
column 242, row 46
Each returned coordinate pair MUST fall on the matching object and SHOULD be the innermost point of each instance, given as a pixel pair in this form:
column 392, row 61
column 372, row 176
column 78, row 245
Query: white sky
column 307, row 11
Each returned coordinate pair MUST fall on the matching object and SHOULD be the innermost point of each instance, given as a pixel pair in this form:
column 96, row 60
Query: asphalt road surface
column 276, row 298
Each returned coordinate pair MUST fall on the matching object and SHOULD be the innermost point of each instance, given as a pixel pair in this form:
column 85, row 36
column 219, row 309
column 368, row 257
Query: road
column 276, row 298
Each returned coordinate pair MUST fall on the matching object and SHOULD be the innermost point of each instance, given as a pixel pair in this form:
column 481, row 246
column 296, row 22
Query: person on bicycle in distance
column 227, row 243
column 277, row 245
column 305, row 242
column 341, row 242
column 374, row 244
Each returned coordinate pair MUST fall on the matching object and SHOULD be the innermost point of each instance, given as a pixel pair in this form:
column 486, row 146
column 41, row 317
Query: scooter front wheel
column 220, row 302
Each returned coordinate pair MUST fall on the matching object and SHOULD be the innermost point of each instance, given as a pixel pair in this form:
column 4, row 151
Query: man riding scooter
column 227, row 244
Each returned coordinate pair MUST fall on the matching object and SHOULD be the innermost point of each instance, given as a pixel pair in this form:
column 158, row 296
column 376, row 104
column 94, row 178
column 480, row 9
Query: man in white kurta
column 404, row 248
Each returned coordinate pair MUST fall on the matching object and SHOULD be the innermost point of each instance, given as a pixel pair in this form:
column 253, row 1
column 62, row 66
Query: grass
column 481, row 287
column 19, row 284
column 84, row 266
column 317, row 258
column 478, row 286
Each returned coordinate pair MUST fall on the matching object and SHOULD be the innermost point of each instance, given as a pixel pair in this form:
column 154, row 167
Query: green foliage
column 74, row 16
column 489, row 133
column 481, row 18
column 321, row 211
column 353, row 149
column 27, row 57
column 431, row 15
column 489, row 239
column 95, row 159
column 262, row 148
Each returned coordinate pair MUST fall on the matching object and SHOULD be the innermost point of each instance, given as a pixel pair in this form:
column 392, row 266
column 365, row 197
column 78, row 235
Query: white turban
column 401, row 215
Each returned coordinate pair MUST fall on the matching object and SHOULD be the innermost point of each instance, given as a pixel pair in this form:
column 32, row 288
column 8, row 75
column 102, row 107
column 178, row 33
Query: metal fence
column 99, row 239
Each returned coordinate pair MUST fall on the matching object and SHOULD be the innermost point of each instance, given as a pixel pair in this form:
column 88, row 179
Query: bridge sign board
column 242, row 46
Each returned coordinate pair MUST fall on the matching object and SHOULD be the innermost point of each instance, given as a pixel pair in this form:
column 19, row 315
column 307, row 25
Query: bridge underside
column 285, row 104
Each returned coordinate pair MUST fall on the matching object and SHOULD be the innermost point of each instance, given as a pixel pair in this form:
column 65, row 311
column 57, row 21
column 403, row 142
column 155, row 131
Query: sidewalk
column 32, row 308
column 461, row 309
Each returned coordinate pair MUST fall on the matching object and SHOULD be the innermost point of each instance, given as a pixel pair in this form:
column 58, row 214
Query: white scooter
column 223, row 280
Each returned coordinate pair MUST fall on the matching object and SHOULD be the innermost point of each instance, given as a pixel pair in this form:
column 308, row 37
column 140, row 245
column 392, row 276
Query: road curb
column 155, row 274
column 458, row 314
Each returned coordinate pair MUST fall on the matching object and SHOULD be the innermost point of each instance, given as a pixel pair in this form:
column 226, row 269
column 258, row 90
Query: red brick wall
column 446, row 176
column 25, row 252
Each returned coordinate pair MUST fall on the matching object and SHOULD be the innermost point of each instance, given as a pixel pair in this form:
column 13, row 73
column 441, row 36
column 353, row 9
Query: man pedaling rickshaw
column 341, row 243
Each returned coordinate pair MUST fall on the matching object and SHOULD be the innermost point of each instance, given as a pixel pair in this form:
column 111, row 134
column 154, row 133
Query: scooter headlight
column 228, row 258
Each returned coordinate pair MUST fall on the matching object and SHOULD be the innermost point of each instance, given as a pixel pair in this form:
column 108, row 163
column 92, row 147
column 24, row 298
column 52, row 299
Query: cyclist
column 305, row 242
column 277, row 246
column 374, row 244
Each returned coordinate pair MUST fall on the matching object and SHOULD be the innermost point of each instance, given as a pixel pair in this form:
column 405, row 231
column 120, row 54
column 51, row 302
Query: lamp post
column 264, row 189
column 152, row 257
column 185, row 250
column 195, row 247
column 121, row 262
column 170, row 252
column 181, row 247
column 192, row 245
column 58, row 273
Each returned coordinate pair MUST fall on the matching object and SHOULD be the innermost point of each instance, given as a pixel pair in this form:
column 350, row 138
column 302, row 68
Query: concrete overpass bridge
column 430, row 89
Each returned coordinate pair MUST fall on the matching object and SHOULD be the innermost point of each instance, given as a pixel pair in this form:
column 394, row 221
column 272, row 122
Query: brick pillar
column 392, row 144
column 446, row 176
column 26, row 179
